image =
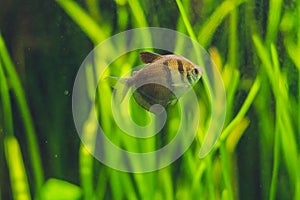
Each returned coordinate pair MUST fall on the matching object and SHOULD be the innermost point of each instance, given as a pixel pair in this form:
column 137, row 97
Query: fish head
column 194, row 74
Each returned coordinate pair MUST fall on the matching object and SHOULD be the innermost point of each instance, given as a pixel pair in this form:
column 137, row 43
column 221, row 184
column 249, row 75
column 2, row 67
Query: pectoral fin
column 149, row 57
column 173, row 102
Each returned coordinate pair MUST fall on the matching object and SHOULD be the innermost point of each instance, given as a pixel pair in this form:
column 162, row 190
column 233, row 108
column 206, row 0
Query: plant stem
column 26, row 116
column 242, row 112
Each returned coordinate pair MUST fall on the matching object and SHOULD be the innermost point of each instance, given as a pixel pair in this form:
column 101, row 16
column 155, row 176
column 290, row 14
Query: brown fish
column 162, row 81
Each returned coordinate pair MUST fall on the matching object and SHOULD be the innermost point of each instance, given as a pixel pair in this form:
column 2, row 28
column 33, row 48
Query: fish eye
column 196, row 71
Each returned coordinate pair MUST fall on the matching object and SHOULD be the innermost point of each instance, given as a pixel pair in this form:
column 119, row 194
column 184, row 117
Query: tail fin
column 120, row 85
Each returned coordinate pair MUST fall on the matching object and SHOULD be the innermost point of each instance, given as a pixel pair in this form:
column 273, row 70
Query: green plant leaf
column 17, row 173
column 60, row 190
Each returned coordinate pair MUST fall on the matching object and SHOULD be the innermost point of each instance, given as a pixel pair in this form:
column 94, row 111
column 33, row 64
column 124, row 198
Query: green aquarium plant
column 255, row 46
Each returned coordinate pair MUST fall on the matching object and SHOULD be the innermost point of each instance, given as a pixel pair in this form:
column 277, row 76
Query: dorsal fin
column 149, row 57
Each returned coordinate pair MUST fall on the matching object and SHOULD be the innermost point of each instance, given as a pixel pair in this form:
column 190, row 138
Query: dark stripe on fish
column 180, row 69
column 168, row 74
column 180, row 66
column 166, row 63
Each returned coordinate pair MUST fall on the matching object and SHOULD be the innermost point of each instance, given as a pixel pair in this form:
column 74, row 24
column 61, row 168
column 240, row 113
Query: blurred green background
column 254, row 43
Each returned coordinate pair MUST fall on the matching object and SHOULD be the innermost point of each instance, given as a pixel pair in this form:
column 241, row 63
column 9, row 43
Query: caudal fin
column 120, row 86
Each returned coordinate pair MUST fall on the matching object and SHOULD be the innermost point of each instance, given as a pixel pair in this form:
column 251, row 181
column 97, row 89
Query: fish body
column 162, row 81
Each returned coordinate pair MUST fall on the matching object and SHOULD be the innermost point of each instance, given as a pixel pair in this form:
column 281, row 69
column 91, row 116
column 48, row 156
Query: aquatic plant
column 256, row 47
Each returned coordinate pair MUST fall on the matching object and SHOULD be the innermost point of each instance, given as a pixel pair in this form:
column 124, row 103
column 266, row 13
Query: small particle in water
column 55, row 156
column 66, row 92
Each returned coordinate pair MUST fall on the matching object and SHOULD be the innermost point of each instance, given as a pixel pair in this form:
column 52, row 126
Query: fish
column 162, row 81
